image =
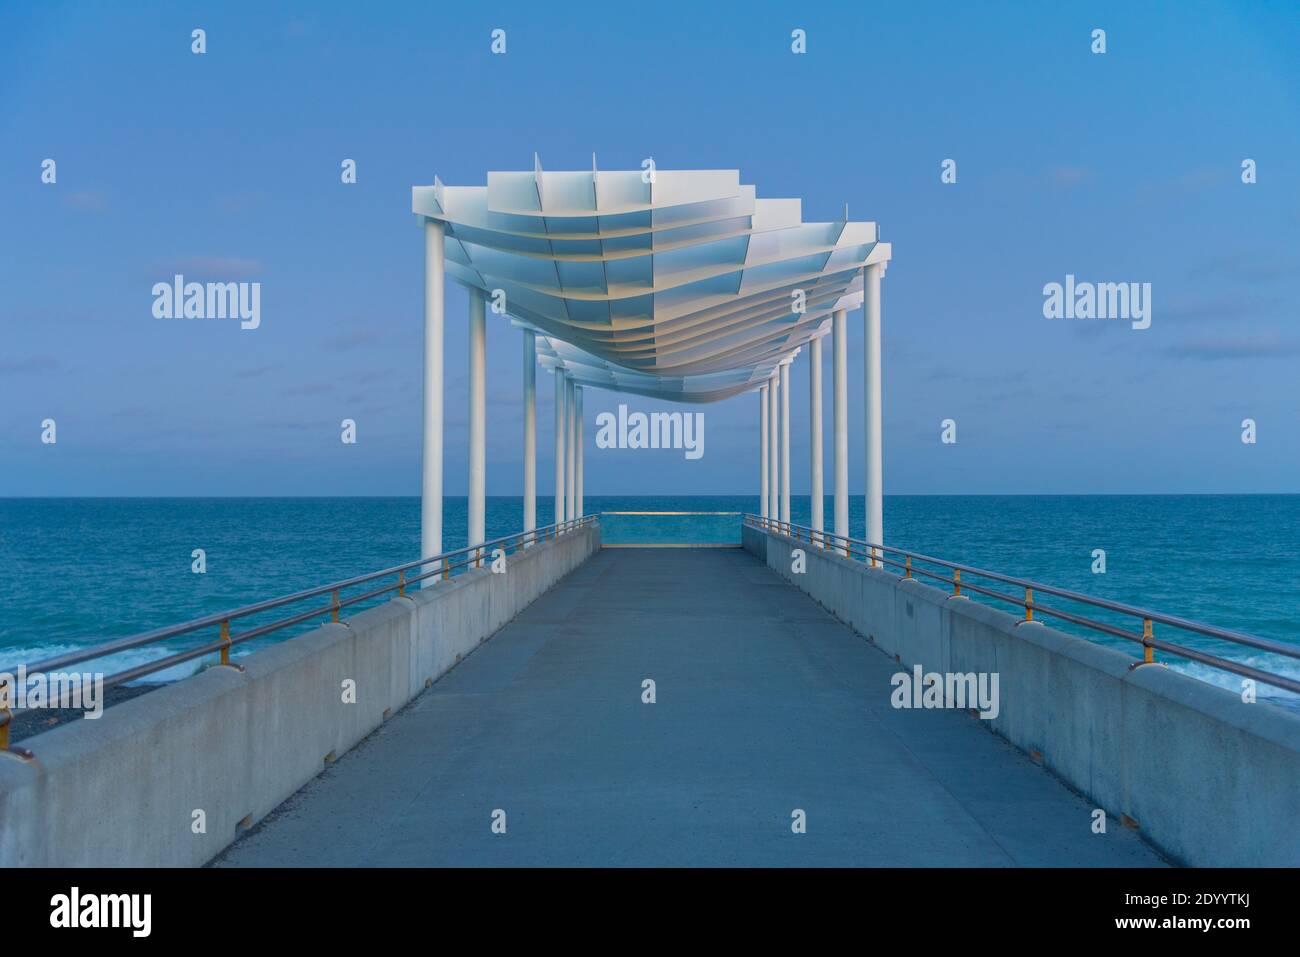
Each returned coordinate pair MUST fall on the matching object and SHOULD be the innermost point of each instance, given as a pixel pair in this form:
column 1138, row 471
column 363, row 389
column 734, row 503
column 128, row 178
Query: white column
column 875, row 491
column 815, row 433
column 840, row 415
column 530, row 430
column 773, row 447
column 571, row 456
column 577, row 440
column 785, row 442
column 561, row 420
column 763, row 459
column 431, row 477
column 477, row 505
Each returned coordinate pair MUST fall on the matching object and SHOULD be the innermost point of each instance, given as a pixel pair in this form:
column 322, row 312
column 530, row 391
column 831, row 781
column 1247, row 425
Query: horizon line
column 828, row 498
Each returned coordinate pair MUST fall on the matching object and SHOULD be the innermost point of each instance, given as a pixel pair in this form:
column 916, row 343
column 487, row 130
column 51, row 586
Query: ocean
column 75, row 571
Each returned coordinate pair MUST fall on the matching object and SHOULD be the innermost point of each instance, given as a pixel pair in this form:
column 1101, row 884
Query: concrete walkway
column 765, row 704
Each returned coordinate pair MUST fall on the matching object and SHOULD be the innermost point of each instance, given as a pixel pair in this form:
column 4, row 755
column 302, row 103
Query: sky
column 1122, row 166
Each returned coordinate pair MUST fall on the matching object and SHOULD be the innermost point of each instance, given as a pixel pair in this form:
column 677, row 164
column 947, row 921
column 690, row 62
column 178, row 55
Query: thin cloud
column 32, row 365
column 1216, row 348
column 1067, row 177
column 355, row 339
column 1234, row 308
column 1245, row 268
column 1207, row 177
column 256, row 372
column 381, row 409
column 86, row 201
column 294, row 425
column 310, row 388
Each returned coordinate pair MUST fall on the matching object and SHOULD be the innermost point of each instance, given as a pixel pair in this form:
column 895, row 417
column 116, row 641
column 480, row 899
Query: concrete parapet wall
column 123, row 790
column 1209, row 779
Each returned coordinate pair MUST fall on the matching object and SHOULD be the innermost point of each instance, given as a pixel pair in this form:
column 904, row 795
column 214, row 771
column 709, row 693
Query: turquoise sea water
column 76, row 571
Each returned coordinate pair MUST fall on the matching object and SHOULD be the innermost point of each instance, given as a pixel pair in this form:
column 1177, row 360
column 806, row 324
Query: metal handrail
column 441, row 565
column 877, row 554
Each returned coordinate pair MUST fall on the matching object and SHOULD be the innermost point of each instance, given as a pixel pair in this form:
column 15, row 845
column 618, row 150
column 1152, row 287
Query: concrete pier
column 764, row 705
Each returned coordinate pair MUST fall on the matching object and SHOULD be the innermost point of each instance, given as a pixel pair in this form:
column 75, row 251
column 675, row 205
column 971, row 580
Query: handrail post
column 334, row 607
column 401, row 583
column 225, row 636
column 1148, row 653
column 1029, row 604
column 6, row 715
column 956, row 582
column 907, row 566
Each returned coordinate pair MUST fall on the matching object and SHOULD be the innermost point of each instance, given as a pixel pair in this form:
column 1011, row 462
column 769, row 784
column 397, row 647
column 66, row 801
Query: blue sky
column 1116, row 167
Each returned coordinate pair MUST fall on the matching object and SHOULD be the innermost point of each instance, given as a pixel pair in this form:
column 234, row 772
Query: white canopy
column 677, row 284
